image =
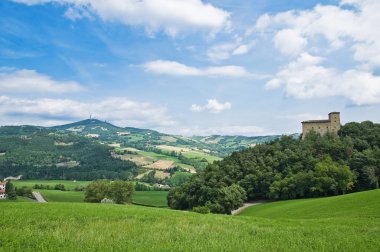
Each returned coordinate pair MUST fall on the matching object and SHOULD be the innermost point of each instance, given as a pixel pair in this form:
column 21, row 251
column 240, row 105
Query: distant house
column 2, row 190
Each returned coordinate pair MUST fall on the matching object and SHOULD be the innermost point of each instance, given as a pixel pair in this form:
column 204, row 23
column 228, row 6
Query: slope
column 88, row 227
column 354, row 205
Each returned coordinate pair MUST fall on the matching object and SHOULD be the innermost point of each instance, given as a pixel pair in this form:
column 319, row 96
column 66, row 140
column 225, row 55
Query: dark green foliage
column 24, row 192
column 59, row 187
column 288, row 168
column 39, row 153
column 118, row 191
column 10, row 191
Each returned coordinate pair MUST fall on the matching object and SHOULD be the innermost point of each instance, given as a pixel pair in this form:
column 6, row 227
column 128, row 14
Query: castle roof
column 2, row 183
column 2, row 191
column 317, row 121
column 334, row 113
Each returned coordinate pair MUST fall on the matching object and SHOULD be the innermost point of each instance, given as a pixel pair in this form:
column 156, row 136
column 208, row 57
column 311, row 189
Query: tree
column 10, row 191
column 96, row 191
column 121, row 192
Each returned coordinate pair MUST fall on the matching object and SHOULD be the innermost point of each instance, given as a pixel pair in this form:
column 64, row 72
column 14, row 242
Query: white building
column 2, row 190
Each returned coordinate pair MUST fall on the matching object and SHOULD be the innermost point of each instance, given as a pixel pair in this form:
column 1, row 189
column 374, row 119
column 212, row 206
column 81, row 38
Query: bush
column 60, row 187
column 118, row 191
column 201, row 209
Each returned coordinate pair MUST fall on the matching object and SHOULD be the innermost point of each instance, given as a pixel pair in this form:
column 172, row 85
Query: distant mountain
column 91, row 149
column 142, row 138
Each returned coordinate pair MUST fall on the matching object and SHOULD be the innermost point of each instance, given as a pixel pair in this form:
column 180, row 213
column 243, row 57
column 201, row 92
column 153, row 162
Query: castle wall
column 322, row 126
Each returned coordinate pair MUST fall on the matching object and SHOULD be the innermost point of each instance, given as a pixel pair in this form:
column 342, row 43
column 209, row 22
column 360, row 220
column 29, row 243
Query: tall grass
column 103, row 227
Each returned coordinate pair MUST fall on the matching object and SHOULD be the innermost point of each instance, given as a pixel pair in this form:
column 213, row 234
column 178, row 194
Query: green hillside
column 42, row 153
column 354, row 205
column 89, row 227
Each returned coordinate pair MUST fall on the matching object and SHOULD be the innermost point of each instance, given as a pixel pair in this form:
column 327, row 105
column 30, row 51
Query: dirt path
column 245, row 206
column 39, row 197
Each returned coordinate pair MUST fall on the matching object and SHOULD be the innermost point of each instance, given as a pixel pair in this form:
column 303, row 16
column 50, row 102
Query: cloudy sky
column 189, row 67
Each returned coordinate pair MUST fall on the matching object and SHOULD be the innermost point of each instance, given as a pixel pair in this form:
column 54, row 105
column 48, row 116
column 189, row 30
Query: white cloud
column 307, row 78
column 23, row 80
column 231, row 130
column 47, row 112
column 172, row 16
column 178, row 69
column 355, row 27
column 212, row 106
column 227, row 50
column 289, row 42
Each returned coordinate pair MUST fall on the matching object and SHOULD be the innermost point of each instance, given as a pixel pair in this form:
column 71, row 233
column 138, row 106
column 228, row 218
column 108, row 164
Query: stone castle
column 322, row 126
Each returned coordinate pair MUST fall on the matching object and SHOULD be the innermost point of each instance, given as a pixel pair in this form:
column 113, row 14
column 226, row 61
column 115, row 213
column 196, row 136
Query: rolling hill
column 88, row 227
column 70, row 151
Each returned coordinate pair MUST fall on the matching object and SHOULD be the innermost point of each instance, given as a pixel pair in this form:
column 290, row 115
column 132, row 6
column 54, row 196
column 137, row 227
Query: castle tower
column 322, row 127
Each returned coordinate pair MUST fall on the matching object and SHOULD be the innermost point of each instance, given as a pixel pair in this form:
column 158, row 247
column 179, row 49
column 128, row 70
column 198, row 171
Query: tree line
column 287, row 168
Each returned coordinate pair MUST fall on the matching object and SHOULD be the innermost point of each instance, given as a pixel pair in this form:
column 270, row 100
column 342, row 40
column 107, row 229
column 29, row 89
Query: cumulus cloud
column 289, row 42
column 212, row 106
column 48, row 112
column 307, row 78
column 177, row 69
column 172, row 16
column 23, row 80
column 355, row 27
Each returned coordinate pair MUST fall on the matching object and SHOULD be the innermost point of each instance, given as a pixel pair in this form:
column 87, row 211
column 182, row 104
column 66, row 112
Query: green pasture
column 108, row 227
column 69, row 184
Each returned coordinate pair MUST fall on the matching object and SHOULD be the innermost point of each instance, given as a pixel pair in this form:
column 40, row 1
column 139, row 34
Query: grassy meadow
column 150, row 198
column 69, row 184
column 352, row 226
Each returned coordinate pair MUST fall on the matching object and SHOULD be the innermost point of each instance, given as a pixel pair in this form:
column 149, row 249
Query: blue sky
column 189, row 66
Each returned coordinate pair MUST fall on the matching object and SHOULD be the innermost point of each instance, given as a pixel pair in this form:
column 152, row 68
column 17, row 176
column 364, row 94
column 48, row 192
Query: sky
column 189, row 67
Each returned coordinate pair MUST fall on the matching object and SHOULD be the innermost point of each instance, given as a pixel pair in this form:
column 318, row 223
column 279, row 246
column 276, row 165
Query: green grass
column 19, row 199
column 343, row 223
column 68, row 184
column 62, row 196
column 355, row 205
column 146, row 198
column 150, row 198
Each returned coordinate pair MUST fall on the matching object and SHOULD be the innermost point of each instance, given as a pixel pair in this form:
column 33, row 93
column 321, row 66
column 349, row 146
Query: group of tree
column 120, row 192
column 287, row 168
column 40, row 153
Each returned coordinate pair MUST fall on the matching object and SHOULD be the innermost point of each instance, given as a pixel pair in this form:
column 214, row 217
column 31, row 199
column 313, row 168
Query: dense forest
column 42, row 153
column 287, row 168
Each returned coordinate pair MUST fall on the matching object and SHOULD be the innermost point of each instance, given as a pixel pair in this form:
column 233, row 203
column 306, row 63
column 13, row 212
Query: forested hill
column 144, row 139
column 43, row 153
column 288, row 168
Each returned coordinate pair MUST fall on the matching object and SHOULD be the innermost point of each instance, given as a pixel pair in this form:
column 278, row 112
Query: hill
column 43, row 153
column 51, row 226
column 354, row 205
column 144, row 139
column 288, row 168
column 159, row 158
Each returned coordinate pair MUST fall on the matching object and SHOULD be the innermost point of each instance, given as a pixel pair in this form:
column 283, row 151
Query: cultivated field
column 161, row 165
column 89, row 227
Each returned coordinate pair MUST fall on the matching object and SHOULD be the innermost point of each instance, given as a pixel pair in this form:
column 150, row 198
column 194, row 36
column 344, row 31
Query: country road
column 39, row 197
column 245, row 206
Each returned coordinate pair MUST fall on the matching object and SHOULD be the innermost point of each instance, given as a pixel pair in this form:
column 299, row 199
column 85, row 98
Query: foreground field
column 354, row 205
column 89, row 227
